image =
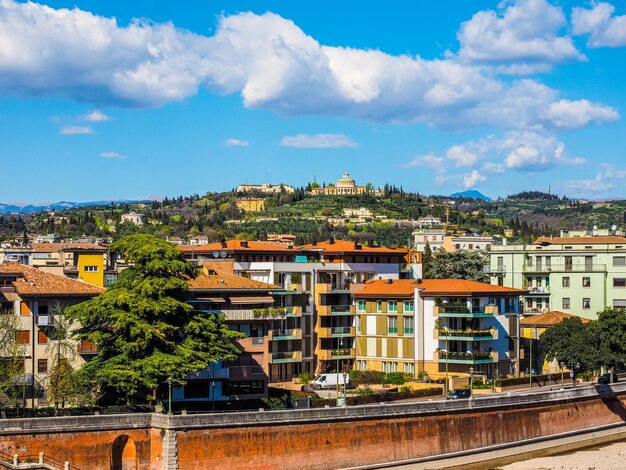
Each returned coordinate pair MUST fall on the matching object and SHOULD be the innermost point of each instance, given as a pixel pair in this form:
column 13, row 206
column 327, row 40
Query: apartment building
column 321, row 278
column 35, row 297
column 439, row 240
column 576, row 275
column 439, row 326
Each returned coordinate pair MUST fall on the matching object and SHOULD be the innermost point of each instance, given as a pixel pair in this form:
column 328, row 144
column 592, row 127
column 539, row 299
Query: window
column 42, row 338
column 586, row 282
column 619, row 260
column 361, row 305
column 91, row 269
column 409, row 306
column 619, row 303
column 619, row 282
column 392, row 325
column 392, row 306
column 408, row 325
column 379, row 306
column 358, row 323
column 500, row 281
column 566, row 302
column 566, row 282
column 42, row 366
column 586, row 304
column 22, row 337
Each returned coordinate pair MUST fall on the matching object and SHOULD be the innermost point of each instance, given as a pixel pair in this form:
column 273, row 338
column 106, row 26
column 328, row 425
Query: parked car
column 459, row 393
column 330, row 381
column 606, row 378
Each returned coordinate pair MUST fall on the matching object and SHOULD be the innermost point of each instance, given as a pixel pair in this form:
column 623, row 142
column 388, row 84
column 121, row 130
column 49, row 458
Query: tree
column 456, row 265
column 143, row 328
column 571, row 342
column 610, row 329
column 427, row 259
column 12, row 354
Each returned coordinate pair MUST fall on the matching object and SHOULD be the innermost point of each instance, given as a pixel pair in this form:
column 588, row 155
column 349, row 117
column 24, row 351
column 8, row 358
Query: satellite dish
column 216, row 254
column 595, row 227
column 222, row 254
column 613, row 227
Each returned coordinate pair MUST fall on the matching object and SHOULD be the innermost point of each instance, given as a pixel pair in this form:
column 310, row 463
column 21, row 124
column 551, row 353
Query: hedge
column 377, row 398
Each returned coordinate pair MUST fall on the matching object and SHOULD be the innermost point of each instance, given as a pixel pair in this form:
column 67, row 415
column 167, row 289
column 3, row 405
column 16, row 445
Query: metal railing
column 340, row 330
column 565, row 268
column 340, row 308
column 488, row 269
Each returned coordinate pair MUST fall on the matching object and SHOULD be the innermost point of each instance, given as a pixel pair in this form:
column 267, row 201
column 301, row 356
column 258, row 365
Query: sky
column 118, row 99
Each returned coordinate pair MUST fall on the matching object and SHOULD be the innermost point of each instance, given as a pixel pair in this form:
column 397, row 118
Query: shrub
column 423, row 376
column 366, row 377
column 395, row 378
column 365, row 391
column 405, row 389
column 305, row 378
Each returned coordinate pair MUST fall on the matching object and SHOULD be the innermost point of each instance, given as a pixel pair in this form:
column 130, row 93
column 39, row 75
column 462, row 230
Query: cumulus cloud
column 432, row 162
column 96, row 116
column 76, row 130
column 318, row 141
column 472, row 179
column 236, row 143
column 461, row 156
column 567, row 114
column 532, row 152
column 604, row 29
column 610, row 177
column 271, row 63
column 113, row 155
column 524, row 36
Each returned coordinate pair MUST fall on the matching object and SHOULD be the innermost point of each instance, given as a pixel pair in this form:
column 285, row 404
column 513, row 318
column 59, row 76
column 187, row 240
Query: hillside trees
column 459, row 264
column 142, row 326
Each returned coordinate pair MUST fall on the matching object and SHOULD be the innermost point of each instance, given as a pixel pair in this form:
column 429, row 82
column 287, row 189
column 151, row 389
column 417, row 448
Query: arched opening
column 124, row 454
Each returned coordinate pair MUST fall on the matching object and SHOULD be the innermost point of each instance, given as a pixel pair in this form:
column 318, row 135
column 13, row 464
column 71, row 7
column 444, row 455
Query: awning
column 252, row 300
column 10, row 296
column 216, row 300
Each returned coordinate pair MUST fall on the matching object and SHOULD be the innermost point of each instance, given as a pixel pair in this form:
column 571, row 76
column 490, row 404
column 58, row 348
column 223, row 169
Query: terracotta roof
column 32, row 281
column 57, row 247
column 225, row 281
column 579, row 240
column 463, row 287
column 344, row 246
column 388, row 288
column 549, row 319
column 236, row 245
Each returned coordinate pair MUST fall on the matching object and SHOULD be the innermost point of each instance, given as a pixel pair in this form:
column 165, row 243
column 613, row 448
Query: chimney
column 389, row 281
column 357, row 246
column 331, row 241
column 223, row 242
column 244, row 243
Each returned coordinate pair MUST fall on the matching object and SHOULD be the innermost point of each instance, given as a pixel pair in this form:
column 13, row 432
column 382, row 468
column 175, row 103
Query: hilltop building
column 133, row 218
column 345, row 186
column 265, row 188
column 251, row 204
column 577, row 275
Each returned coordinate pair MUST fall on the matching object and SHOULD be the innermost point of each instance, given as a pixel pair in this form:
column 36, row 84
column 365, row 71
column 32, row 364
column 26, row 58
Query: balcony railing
column 334, row 354
column 336, row 331
column 462, row 310
column 478, row 357
column 539, row 290
column 467, row 335
column 488, row 269
column 210, row 373
column 566, row 268
column 340, row 309
column 285, row 334
column 85, row 347
column 281, row 357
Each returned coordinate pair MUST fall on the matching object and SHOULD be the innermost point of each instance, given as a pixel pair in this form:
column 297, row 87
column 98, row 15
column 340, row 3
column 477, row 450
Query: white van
column 330, row 380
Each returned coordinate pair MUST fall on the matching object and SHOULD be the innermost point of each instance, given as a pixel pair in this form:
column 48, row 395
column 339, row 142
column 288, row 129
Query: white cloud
column 432, row 162
column 523, row 36
column 96, row 116
column 76, row 130
column 605, row 30
column 461, row 156
column 272, row 63
column 567, row 114
column 532, row 152
column 113, row 155
column 610, row 177
column 236, row 143
column 318, row 141
column 472, row 179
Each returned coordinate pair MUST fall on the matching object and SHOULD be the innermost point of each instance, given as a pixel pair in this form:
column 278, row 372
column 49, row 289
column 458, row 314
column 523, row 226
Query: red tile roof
column 225, row 281
column 32, row 281
column 549, row 319
column 344, row 246
column 388, row 288
column 236, row 245
column 579, row 240
column 58, row 247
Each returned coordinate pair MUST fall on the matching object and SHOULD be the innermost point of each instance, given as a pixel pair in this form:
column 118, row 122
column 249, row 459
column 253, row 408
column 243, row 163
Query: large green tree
column 610, row 331
column 458, row 264
column 143, row 327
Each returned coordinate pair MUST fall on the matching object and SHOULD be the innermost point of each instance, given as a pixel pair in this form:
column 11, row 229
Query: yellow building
column 531, row 329
column 251, row 204
column 84, row 261
column 344, row 186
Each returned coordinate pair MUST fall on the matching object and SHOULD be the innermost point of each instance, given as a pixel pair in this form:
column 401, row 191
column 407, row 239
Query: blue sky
column 105, row 100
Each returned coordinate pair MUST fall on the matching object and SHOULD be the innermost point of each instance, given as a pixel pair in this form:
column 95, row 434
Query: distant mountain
column 471, row 194
column 57, row 206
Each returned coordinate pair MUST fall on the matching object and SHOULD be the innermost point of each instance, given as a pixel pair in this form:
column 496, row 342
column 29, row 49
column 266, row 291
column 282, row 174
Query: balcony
column 285, row 334
column 466, row 335
column 567, row 268
column 86, row 347
column 538, row 291
column 334, row 310
column 478, row 357
column 252, row 343
column 463, row 311
column 246, row 373
column 283, row 357
column 209, row 373
column 336, row 332
column 488, row 269
column 335, row 354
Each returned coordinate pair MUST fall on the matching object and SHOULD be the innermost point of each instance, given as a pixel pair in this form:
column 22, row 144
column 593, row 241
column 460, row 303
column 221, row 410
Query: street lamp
column 338, row 351
column 169, row 401
column 445, row 328
column 471, row 383
column 562, row 367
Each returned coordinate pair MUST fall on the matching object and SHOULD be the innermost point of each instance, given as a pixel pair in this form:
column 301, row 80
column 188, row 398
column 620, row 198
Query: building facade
column 345, row 186
column 576, row 275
